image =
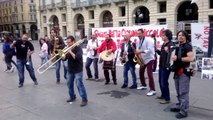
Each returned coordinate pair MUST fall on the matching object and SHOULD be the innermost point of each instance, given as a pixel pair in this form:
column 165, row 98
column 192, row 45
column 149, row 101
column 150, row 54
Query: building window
column 21, row 8
column 63, row 17
column 64, row 31
column 91, row 25
column 211, row 4
column 22, row 17
column 122, row 23
column 211, row 18
column 162, row 21
column 162, row 7
column 32, row 1
column 44, row 19
column 91, row 14
column 122, row 11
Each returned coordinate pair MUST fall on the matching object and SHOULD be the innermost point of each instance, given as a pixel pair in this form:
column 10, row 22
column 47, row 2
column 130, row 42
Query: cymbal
column 106, row 57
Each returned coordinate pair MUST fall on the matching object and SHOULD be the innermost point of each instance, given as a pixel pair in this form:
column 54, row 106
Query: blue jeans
column 79, row 82
column 164, row 84
column 58, row 66
column 45, row 59
column 20, row 66
column 95, row 65
column 129, row 66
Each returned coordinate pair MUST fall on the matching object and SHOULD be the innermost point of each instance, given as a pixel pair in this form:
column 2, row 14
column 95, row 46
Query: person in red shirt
column 109, row 46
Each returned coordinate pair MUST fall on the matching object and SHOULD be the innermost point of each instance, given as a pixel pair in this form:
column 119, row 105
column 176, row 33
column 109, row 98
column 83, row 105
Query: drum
column 108, row 65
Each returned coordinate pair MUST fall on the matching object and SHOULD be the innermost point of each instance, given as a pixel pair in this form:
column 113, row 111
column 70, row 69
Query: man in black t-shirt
column 75, row 71
column 182, row 59
column 24, row 50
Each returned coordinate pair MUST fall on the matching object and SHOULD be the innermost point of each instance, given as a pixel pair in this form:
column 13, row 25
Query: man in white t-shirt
column 145, row 48
column 92, row 56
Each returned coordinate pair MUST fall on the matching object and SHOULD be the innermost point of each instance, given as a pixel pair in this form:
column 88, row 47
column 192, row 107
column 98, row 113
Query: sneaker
column 35, row 83
column 83, row 103
column 89, row 78
column 164, row 102
column 174, row 109
column 58, row 82
column 7, row 70
column 96, row 79
column 142, row 87
column 71, row 99
column 124, row 86
column 115, row 83
column 159, row 97
column 151, row 93
column 133, row 87
column 12, row 69
column 180, row 116
column 20, row 85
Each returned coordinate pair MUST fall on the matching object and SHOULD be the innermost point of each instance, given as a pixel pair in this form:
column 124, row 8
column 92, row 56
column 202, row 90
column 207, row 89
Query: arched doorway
column 79, row 28
column 107, row 19
column 23, row 29
column 187, row 13
column 54, row 23
column 141, row 15
column 34, row 32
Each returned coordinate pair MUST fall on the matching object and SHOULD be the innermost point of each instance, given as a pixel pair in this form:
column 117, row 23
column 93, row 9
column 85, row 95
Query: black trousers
column 106, row 75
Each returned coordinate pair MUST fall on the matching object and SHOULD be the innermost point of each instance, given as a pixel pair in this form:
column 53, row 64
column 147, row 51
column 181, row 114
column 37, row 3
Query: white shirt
column 90, row 45
column 44, row 48
column 148, row 47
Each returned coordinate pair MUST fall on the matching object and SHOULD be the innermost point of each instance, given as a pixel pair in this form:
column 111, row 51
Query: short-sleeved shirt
column 185, row 48
column 22, row 48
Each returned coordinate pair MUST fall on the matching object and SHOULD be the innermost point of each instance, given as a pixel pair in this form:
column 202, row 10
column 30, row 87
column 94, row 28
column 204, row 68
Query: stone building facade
column 19, row 17
column 77, row 17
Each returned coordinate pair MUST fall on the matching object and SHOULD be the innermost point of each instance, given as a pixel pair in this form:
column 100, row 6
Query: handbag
column 41, row 55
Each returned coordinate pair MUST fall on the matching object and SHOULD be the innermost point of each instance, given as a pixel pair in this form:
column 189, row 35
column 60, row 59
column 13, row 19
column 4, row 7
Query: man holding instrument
column 92, row 57
column 127, row 54
column 75, row 71
column 164, row 66
column 145, row 48
column 108, row 47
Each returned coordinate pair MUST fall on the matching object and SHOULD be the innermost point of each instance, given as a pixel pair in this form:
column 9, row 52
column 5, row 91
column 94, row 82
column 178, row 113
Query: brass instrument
column 58, row 56
column 123, row 59
column 137, row 58
column 56, row 50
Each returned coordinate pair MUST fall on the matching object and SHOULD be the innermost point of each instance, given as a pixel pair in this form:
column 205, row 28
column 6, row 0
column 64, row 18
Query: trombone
column 61, row 54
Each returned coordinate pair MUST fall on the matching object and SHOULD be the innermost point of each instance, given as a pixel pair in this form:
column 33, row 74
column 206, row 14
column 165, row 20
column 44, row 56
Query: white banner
column 200, row 35
column 118, row 32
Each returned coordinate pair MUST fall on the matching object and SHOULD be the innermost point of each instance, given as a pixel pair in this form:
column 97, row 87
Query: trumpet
column 57, row 56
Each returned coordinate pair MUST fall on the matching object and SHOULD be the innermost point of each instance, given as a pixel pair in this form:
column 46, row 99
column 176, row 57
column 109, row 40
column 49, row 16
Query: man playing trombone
column 24, row 50
column 75, row 71
column 126, row 57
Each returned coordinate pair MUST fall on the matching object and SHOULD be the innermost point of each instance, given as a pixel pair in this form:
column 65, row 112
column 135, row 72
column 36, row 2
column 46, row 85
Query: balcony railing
column 79, row 4
column 102, row 2
column 116, row 1
column 92, row 3
column 61, row 4
column 43, row 7
column 51, row 6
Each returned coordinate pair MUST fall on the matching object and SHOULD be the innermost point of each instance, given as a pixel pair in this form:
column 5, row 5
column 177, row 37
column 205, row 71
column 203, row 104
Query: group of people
column 173, row 58
column 144, row 50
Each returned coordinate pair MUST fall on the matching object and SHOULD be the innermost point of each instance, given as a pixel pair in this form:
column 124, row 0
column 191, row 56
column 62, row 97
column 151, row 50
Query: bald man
column 126, row 56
